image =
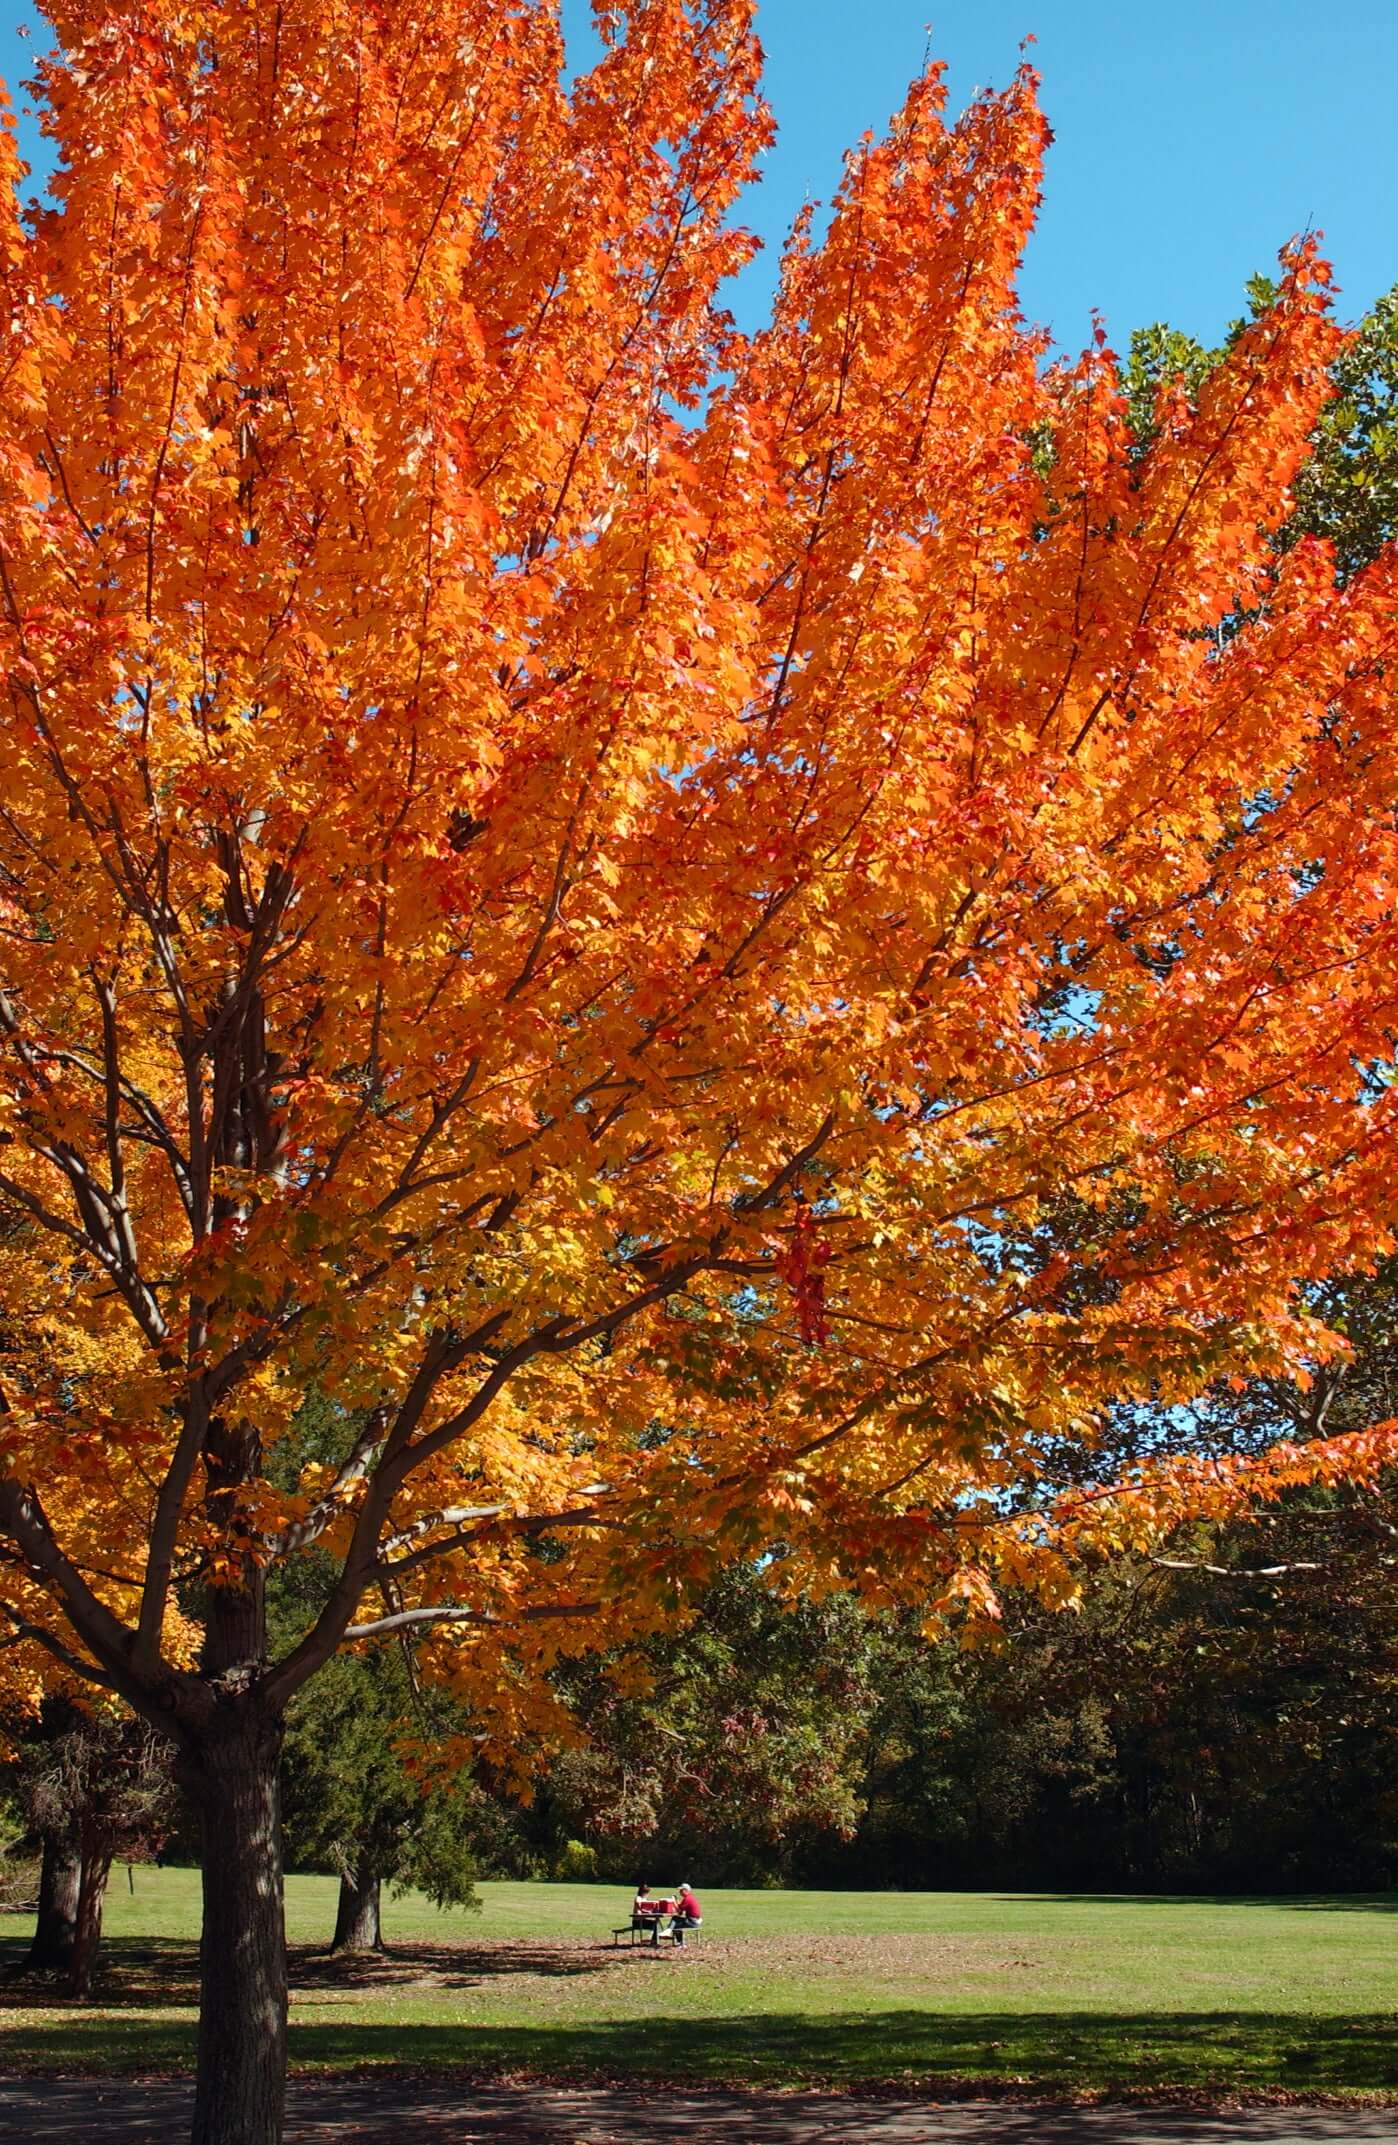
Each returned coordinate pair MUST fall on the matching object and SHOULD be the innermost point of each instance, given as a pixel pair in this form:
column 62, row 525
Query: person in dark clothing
column 646, row 1913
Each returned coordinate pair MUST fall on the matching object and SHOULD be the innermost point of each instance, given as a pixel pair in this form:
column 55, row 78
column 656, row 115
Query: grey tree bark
column 357, row 1916
column 232, row 1775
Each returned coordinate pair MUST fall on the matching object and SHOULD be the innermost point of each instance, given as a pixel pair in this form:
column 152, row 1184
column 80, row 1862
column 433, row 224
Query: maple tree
column 508, row 783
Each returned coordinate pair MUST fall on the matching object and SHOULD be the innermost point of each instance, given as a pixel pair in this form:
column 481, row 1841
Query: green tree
column 733, row 1746
column 1347, row 490
column 355, row 1800
column 355, row 1803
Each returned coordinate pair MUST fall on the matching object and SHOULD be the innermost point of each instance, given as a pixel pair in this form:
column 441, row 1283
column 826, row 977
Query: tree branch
column 23, row 1519
column 1236, row 1571
column 409, row 1618
column 498, row 1515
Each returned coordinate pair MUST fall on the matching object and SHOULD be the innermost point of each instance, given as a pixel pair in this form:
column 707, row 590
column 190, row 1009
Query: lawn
column 1072, row 1993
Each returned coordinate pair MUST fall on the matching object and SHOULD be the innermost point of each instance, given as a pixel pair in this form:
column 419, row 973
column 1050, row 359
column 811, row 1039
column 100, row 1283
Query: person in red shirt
column 688, row 1914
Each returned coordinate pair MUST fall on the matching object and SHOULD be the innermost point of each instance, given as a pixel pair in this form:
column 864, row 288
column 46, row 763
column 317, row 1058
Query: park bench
column 648, row 1927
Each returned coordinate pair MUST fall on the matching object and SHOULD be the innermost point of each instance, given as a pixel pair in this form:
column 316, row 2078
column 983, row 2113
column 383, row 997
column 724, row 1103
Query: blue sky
column 1193, row 138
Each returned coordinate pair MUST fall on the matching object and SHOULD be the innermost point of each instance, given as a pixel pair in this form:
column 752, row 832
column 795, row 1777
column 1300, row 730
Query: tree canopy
column 705, row 936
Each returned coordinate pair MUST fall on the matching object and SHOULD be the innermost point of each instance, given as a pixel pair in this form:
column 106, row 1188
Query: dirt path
column 389, row 2112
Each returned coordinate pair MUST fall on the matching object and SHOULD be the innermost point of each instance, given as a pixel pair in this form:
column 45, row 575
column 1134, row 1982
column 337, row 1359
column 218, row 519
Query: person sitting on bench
column 647, row 1913
column 687, row 1914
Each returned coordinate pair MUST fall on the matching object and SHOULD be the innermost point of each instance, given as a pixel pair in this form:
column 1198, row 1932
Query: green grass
column 841, row 1988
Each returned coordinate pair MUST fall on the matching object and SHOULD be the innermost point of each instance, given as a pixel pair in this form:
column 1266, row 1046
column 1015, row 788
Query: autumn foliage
column 708, row 937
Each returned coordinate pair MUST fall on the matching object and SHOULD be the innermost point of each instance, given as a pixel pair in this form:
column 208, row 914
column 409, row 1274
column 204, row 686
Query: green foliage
column 1225, row 1723
column 352, row 1800
column 1160, row 354
column 1222, row 1719
column 576, row 1863
column 1349, row 489
column 101, row 1774
column 729, row 1747
column 1208, row 1722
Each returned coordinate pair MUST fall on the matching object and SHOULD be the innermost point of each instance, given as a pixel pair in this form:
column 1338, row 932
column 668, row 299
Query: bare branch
column 165, row 1527
column 407, row 1618
column 1236, row 1571
column 750, row 1202
column 496, row 1516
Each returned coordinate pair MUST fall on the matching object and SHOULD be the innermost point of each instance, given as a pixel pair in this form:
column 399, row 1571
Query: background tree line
column 1218, row 1717
column 1221, row 1720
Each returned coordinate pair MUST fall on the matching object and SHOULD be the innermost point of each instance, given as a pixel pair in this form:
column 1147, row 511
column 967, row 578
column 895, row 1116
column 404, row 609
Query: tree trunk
column 52, row 1949
column 96, row 1863
column 357, row 1916
column 231, row 1769
column 241, row 2084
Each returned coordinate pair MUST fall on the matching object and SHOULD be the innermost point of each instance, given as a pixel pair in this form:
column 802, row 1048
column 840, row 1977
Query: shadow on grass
column 1062, row 2051
column 133, row 1973
column 138, row 1973
column 458, row 1966
column 1299, row 1902
column 1342, row 1903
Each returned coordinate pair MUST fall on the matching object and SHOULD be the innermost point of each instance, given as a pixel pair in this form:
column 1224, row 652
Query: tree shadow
column 1301, row 1902
column 1341, row 1903
column 133, row 1973
column 454, row 2109
column 1062, row 2050
column 1059, row 2054
column 443, row 1965
column 142, row 1973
